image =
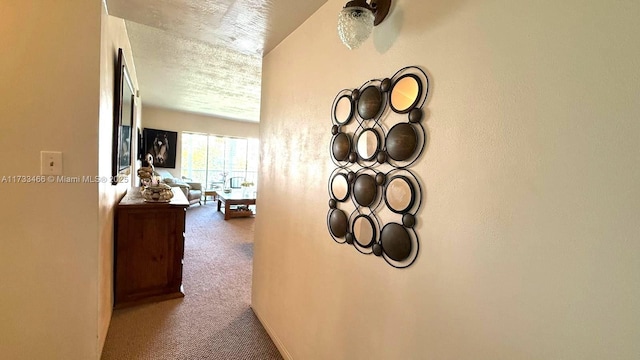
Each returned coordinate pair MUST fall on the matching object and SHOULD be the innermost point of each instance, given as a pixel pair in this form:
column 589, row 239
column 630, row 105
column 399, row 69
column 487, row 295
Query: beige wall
column 165, row 119
column 114, row 36
column 529, row 233
column 50, row 90
column 56, row 247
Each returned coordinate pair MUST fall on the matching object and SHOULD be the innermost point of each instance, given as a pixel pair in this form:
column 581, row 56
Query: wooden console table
column 149, row 247
column 234, row 198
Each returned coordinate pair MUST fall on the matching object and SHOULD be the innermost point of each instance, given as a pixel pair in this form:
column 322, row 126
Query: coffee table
column 234, row 198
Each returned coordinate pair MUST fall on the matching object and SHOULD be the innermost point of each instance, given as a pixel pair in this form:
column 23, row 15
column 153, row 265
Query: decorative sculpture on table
column 153, row 190
column 373, row 156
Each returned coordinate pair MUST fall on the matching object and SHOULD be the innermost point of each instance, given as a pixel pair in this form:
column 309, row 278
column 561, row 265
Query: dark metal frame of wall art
column 377, row 136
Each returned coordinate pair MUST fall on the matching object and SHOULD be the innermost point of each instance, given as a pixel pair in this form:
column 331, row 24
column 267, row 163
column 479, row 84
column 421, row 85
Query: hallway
column 214, row 319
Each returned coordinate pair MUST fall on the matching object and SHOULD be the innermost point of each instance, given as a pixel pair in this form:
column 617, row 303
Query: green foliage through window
column 213, row 160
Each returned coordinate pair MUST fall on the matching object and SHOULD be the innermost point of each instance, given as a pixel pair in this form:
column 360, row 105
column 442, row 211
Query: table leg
column 227, row 210
column 219, row 203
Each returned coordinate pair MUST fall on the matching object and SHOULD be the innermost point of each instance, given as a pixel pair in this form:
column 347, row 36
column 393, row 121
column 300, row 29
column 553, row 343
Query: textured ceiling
column 205, row 56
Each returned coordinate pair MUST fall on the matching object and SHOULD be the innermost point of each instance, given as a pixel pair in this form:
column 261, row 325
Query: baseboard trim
column 102, row 333
column 274, row 337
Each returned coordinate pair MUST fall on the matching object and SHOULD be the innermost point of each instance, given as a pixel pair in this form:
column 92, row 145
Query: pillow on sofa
column 168, row 179
column 164, row 174
column 178, row 182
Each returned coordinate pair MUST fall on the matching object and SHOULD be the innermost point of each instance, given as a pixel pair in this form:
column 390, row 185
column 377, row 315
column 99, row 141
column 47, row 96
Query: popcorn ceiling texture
column 206, row 56
column 194, row 75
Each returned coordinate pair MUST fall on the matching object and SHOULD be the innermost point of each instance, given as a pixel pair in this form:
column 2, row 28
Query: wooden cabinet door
column 149, row 252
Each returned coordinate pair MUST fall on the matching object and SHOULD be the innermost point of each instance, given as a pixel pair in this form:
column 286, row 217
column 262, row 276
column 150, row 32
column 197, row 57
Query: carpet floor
column 214, row 319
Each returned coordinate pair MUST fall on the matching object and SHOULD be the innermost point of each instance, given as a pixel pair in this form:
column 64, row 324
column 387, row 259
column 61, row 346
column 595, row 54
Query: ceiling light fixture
column 357, row 19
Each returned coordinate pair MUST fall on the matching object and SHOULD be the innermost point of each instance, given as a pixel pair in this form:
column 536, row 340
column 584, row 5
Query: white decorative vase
column 246, row 191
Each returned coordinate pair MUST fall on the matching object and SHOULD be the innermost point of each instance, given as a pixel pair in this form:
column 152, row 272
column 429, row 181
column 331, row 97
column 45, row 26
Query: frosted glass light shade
column 355, row 25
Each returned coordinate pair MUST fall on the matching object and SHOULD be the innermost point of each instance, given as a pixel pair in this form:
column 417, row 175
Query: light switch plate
column 50, row 163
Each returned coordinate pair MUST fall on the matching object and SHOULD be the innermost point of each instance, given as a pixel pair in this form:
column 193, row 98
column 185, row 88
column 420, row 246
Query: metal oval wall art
column 341, row 147
column 365, row 190
column 369, row 102
column 364, row 231
column 405, row 93
column 368, row 144
column 343, row 109
column 399, row 194
column 402, row 141
column 338, row 223
column 373, row 156
column 340, row 187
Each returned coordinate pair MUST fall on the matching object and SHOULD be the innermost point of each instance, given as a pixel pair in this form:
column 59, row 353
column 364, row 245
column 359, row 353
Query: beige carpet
column 213, row 320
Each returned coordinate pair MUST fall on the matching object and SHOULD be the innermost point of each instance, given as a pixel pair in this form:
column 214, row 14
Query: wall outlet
column 50, row 163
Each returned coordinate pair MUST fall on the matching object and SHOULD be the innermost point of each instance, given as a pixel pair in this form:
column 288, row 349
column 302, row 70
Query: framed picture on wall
column 123, row 118
column 161, row 144
column 140, row 150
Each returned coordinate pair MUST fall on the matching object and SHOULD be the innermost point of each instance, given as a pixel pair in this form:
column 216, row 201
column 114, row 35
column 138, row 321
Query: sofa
column 192, row 190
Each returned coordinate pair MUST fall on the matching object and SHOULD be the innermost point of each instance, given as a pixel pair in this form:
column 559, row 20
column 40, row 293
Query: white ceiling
column 205, row 56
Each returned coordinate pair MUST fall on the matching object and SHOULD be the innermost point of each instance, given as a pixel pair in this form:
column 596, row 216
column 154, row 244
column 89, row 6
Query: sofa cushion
column 164, row 174
column 168, row 179
column 192, row 190
column 176, row 182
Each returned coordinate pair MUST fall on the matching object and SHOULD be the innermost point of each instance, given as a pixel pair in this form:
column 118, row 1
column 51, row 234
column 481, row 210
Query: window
column 213, row 160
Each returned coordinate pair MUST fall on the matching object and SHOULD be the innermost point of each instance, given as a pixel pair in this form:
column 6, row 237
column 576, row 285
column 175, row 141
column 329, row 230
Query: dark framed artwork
column 141, row 151
column 161, row 144
column 125, row 147
column 123, row 118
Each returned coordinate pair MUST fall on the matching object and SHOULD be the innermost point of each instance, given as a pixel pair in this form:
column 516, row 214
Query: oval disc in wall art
column 399, row 194
column 340, row 187
column 369, row 102
column 341, row 146
column 338, row 223
column 368, row 144
column 402, row 141
column 363, row 230
column 343, row 110
column 365, row 190
column 405, row 93
column 396, row 241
